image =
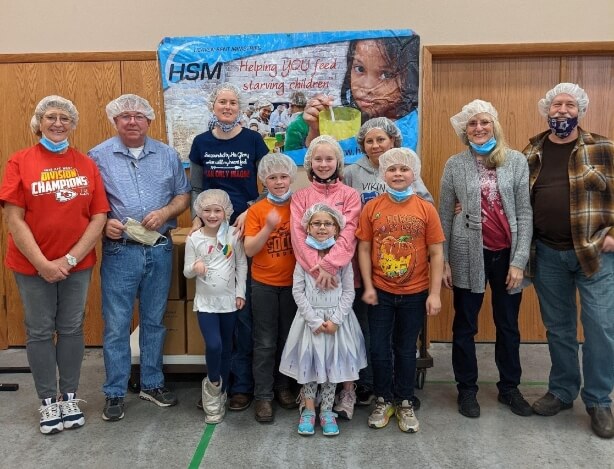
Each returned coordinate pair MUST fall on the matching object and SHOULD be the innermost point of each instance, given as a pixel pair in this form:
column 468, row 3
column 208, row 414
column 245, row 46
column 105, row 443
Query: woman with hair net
column 55, row 207
column 488, row 241
column 267, row 241
column 226, row 157
column 325, row 345
column 401, row 262
column 215, row 256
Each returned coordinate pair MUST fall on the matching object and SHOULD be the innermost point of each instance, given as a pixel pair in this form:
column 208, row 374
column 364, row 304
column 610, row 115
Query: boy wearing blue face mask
column 325, row 345
column 267, row 242
column 400, row 253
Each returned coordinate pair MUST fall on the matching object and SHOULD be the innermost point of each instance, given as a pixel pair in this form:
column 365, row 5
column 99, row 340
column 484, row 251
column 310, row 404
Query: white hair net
column 263, row 103
column 129, row 103
column 225, row 87
column 298, row 99
column 53, row 102
column 321, row 140
column 311, row 211
column 403, row 156
column 272, row 163
column 477, row 106
column 572, row 90
column 382, row 123
column 213, row 197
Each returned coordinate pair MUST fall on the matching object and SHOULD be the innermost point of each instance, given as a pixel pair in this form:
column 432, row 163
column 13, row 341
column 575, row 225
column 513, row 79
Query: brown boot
column 239, row 401
column 286, row 399
column 264, row 411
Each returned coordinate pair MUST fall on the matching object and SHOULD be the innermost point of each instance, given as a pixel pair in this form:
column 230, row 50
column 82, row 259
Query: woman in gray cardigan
column 487, row 241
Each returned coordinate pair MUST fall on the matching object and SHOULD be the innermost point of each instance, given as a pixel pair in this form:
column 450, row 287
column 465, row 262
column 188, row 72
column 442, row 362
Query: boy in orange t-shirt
column 267, row 241
column 400, row 253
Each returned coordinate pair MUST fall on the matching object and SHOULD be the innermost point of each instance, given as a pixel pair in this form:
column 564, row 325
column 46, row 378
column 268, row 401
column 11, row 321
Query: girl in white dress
column 325, row 345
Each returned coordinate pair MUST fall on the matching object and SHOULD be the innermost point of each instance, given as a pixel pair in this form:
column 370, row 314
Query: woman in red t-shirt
column 55, row 207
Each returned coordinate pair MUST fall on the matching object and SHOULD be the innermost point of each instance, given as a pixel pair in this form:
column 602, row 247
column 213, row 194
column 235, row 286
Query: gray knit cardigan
column 463, row 247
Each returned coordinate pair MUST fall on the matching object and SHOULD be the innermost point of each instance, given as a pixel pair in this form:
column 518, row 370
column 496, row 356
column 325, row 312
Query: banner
column 373, row 71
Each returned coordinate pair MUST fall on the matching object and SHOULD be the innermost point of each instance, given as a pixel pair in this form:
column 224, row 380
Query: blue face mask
column 279, row 199
column 320, row 245
column 484, row 148
column 400, row 196
column 52, row 146
column 562, row 128
column 225, row 127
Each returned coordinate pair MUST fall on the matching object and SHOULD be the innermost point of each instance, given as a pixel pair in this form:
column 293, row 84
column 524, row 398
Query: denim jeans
column 505, row 310
column 557, row 276
column 395, row 323
column 217, row 330
column 129, row 271
column 361, row 310
column 241, row 378
column 54, row 309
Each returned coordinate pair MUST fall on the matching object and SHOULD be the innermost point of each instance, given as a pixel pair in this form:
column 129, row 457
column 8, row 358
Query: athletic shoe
column 380, row 416
column 307, row 422
column 113, row 409
column 329, row 423
column 72, row 417
column 345, row 402
column 468, row 404
column 406, row 418
column 159, row 396
column 516, row 402
column 51, row 417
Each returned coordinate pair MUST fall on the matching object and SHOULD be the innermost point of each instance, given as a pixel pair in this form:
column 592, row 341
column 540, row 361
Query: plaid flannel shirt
column 591, row 194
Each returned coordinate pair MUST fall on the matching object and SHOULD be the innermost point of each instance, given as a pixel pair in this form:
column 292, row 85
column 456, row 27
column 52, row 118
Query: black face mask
column 333, row 177
column 562, row 128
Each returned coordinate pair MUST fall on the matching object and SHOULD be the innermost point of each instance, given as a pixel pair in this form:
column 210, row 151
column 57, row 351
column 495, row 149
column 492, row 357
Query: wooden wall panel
column 514, row 85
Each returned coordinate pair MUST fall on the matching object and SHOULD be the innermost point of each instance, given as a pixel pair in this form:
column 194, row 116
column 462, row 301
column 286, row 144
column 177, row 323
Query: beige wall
column 121, row 25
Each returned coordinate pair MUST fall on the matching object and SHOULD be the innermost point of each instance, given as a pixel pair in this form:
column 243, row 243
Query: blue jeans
column 273, row 310
column 241, row 379
column 217, row 330
column 54, row 309
column 394, row 324
column 505, row 309
column 361, row 310
column 129, row 271
column 557, row 276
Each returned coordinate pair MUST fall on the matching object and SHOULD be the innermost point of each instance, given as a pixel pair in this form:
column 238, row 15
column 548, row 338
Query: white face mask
column 139, row 233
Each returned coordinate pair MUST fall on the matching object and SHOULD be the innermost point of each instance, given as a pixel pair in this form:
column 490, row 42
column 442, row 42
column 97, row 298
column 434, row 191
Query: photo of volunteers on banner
column 362, row 74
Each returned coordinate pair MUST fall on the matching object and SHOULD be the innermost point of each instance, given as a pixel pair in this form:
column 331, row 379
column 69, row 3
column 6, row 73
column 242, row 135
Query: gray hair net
column 298, row 99
column 382, row 123
column 263, row 103
column 311, row 211
column 53, row 102
column 129, row 103
column 403, row 156
column 477, row 106
column 272, row 163
column 572, row 90
column 213, row 197
column 225, row 87
column 321, row 140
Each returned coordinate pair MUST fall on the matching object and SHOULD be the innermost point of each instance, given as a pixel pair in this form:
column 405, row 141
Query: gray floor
column 176, row 437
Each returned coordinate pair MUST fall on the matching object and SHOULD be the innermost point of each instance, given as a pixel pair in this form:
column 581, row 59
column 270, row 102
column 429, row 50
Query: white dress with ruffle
column 322, row 358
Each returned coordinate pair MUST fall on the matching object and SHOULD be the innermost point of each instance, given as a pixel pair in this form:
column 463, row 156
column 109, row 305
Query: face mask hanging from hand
column 139, row 233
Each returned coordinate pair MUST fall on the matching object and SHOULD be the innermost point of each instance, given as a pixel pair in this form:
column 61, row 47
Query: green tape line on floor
column 199, row 454
column 522, row 383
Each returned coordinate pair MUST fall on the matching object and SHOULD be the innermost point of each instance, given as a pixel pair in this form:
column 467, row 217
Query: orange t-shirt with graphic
column 400, row 233
column 274, row 264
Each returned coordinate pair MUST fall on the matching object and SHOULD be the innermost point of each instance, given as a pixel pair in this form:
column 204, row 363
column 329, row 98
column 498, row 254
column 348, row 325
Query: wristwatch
column 72, row 260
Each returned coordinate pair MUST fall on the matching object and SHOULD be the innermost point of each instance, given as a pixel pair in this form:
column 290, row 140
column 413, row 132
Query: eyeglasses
column 52, row 118
column 474, row 124
column 140, row 118
column 319, row 224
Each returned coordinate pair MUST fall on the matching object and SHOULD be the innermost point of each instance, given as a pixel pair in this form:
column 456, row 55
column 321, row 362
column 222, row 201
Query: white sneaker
column 380, row 416
column 51, row 417
column 72, row 417
column 406, row 418
column 345, row 401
